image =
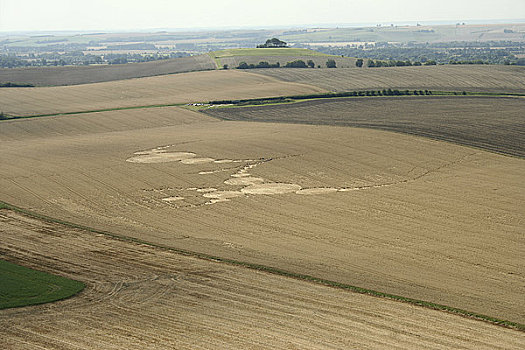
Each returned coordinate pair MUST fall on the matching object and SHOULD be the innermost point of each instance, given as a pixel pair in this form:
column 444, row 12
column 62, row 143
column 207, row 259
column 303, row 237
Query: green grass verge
column 22, row 286
column 11, row 117
column 278, row 51
column 280, row 272
column 217, row 60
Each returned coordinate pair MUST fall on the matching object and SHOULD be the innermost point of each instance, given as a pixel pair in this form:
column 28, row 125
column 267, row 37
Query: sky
column 129, row 15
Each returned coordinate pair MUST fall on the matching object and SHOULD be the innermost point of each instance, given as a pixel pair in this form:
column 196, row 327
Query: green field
column 281, row 51
column 22, row 286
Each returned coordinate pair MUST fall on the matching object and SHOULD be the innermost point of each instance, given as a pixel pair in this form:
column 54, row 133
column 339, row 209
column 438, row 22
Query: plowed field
column 167, row 89
column 493, row 123
column 140, row 297
column 56, row 76
column 447, row 77
column 390, row 212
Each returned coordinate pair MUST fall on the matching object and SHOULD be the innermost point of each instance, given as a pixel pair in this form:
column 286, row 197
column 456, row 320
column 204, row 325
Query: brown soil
column 140, row 297
column 167, row 89
column 492, row 123
column 431, row 220
column 55, row 76
column 493, row 78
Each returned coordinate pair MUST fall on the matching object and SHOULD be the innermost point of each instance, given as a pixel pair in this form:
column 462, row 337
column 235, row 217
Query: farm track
column 509, row 79
column 492, row 123
column 167, row 89
column 141, row 297
column 57, row 76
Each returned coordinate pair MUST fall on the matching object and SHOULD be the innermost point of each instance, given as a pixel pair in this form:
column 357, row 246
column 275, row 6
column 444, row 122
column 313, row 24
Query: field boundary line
column 276, row 271
column 277, row 100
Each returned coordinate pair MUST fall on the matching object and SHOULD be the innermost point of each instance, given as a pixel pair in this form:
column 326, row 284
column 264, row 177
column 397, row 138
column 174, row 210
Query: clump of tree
column 3, row 116
column 8, row 84
column 296, row 64
column 467, row 62
column 359, row 62
column 331, row 64
column 262, row 64
column 398, row 63
column 273, row 42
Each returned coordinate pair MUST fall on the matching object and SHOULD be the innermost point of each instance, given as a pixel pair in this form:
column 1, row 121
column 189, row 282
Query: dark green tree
column 331, row 64
column 359, row 62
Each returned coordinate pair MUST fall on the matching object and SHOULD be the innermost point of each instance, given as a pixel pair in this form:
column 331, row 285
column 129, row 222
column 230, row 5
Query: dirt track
column 139, row 297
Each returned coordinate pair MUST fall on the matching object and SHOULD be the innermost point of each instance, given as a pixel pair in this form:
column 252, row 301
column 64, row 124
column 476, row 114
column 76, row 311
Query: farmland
column 22, row 286
column 167, row 89
column 333, row 202
column 142, row 297
column 449, row 77
column 250, row 227
column 73, row 75
column 465, row 120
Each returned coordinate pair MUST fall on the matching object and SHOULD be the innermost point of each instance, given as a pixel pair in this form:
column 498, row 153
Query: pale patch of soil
column 319, row 190
column 271, row 188
column 161, row 157
column 197, row 160
column 244, row 181
column 173, row 199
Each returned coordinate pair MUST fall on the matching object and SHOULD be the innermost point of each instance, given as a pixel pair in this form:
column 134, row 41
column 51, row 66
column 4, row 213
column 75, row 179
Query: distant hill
column 234, row 57
column 74, row 75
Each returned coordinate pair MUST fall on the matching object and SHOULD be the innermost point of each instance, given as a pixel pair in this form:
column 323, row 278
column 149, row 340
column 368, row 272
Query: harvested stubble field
column 141, row 297
column 390, row 212
column 492, row 123
column 73, row 75
column 167, row 89
column 486, row 78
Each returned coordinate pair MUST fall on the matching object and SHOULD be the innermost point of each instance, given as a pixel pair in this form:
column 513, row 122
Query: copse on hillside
column 274, row 42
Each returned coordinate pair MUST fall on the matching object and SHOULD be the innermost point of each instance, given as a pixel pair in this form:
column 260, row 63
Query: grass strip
column 22, row 286
column 280, row 272
column 357, row 93
column 7, row 117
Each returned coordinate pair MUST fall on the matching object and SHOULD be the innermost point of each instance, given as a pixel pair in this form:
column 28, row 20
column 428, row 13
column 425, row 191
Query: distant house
column 274, row 42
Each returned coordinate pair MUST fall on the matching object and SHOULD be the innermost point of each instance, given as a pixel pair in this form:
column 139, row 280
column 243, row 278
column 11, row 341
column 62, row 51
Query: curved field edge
column 22, row 286
column 280, row 272
column 274, row 100
column 487, row 122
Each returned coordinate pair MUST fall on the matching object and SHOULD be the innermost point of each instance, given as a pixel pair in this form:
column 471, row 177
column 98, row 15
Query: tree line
column 294, row 64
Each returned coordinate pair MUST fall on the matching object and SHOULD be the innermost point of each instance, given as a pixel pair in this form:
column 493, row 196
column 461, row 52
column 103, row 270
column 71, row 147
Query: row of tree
column 294, row 64
column 392, row 63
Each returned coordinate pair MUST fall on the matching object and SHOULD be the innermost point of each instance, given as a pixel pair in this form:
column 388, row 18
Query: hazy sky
column 46, row 15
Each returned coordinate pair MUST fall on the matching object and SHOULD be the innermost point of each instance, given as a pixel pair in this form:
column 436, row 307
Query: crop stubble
column 510, row 79
column 492, row 123
column 418, row 218
column 57, row 76
column 141, row 297
column 167, row 89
